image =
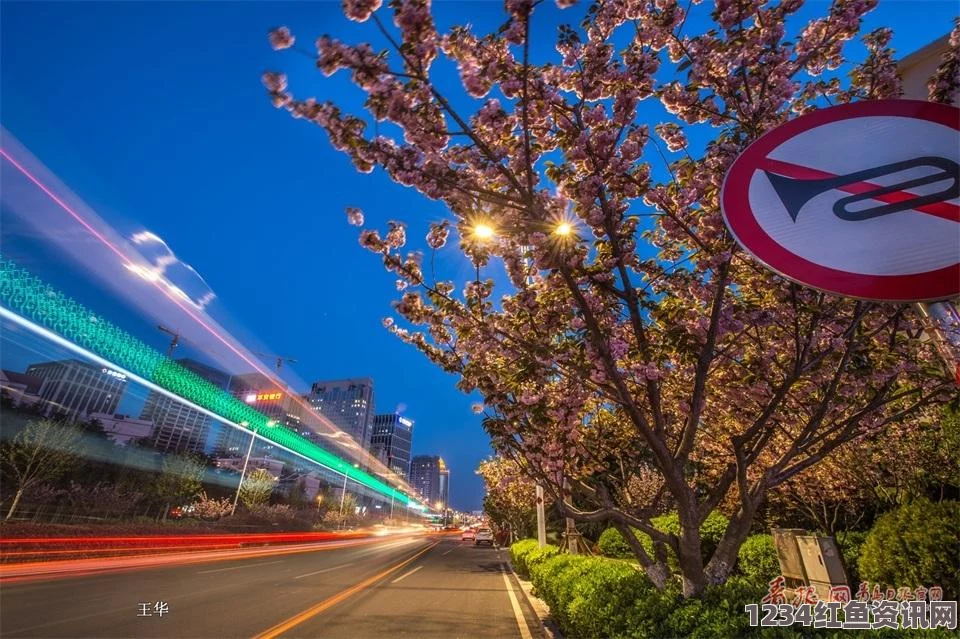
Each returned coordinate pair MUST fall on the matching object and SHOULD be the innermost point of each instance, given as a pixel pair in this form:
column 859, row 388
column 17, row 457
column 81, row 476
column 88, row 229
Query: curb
column 539, row 607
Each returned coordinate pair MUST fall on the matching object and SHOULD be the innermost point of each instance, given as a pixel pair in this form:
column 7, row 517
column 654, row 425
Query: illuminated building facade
column 177, row 427
column 391, row 439
column 77, row 388
column 348, row 403
column 262, row 394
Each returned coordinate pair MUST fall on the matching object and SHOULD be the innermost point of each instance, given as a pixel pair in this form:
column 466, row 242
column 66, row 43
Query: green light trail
column 31, row 297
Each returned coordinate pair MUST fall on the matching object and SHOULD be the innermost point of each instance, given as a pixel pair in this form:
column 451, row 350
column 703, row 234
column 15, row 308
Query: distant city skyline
column 178, row 428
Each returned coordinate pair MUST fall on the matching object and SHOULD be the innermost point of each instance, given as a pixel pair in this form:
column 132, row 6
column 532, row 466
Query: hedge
column 596, row 597
column 915, row 545
column 526, row 554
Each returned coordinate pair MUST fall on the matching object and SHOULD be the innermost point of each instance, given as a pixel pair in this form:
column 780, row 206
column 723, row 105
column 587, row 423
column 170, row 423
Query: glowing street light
column 483, row 231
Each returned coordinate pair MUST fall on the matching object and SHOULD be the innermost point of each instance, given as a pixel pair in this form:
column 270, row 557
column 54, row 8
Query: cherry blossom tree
column 510, row 499
column 628, row 333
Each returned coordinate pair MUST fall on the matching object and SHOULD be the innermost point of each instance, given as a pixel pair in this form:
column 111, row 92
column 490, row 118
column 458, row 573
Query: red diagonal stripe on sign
column 946, row 210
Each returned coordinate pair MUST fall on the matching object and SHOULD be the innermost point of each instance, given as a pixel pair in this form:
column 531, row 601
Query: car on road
column 468, row 535
column 484, row 536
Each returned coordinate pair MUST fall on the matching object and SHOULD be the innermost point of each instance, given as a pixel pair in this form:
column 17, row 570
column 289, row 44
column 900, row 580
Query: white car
column 468, row 534
column 484, row 536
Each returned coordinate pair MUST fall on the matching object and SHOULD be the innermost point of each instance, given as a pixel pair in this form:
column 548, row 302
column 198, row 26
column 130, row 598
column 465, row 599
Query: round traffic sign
column 861, row 200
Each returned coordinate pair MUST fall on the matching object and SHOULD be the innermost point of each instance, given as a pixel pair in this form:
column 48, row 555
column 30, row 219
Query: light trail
column 76, row 348
column 58, row 569
column 127, row 262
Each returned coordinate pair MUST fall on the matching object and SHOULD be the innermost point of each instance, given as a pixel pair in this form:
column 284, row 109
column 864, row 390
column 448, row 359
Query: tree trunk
column 657, row 571
column 690, row 559
column 13, row 506
column 725, row 556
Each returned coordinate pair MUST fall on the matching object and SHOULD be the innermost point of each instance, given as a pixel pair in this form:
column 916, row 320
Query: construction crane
column 174, row 342
column 280, row 359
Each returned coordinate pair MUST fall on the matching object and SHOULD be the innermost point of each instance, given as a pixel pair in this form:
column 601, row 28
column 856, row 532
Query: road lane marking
column 406, row 574
column 517, row 612
column 449, row 551
column 313, row 611
column 317, row 572
column 266, row 563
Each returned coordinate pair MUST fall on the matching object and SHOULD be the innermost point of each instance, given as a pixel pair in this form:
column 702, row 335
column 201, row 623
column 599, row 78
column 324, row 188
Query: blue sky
column 154, row 114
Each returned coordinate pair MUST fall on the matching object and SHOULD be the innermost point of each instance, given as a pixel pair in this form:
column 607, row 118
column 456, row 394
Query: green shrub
column 555, row 579
column 851, row 544
column 518, row 555
column 539, row 555
column 605, row 590
column 757, row 558
column 612, row 544
column 915, row 545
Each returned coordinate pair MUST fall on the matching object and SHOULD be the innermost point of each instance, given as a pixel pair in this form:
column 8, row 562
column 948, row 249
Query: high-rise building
column 392, row 437
column 348, row 403
column 77, row 388
column 444, row 484
column 177, row 426
column 430, row 477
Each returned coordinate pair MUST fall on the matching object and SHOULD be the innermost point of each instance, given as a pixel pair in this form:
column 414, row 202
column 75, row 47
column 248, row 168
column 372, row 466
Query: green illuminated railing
column 39, row 302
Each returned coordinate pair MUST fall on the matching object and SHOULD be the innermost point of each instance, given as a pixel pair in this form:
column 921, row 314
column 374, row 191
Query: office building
column 348, row 403
column 431, row 478
column 77, row 388
column 178, row 427
column 390, row 440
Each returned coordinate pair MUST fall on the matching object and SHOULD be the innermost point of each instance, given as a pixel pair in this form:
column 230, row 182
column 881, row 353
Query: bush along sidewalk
column 601, row 598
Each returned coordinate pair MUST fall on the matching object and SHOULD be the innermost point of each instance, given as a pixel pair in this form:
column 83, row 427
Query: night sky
column 154, row 114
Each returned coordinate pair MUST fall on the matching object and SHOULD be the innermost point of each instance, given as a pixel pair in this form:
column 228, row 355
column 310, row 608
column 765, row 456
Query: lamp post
column 343, row 495
column 243, row 473
column 564, row 229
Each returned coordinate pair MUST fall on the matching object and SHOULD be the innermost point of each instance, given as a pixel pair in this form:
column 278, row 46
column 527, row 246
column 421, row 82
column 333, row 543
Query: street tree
column 510, row 500
column 180, row 480
column 42, row 452
column 257, row 488
column 627, row 331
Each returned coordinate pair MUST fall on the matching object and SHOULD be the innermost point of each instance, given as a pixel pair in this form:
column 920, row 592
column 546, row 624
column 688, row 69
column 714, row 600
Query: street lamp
column 343, row 494
column 483, row 231
column 243, row 473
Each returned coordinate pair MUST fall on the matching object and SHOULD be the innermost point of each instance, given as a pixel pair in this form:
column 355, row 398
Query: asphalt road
column 424, row 587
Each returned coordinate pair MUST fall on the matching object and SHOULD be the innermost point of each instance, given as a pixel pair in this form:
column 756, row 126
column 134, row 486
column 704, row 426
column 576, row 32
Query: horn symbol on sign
column 794, row 193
